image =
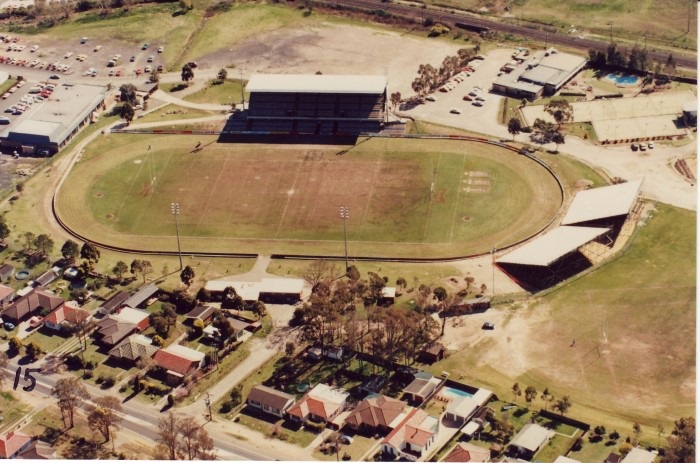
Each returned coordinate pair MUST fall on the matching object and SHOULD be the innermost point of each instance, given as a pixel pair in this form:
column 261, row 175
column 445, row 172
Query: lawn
column 642, row 374
column 558, row 445
column 226, row 93
column 47, row 339
column 173, row 113
column 406, row 197
column 265, row 424
column 11, row 409
column 359, row 447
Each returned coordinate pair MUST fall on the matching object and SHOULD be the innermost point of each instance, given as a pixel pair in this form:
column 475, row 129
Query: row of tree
column 634, row 59
column 429, row 78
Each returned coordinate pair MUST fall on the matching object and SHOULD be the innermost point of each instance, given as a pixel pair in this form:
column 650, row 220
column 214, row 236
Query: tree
column 120, row 268
column 440, row 293
column 19, row 187
column 15, row 346
column 143, row 267
column 127, row 94
column 32, row 351
column 70, row 250
column 637, row 429
column 127, row 112
column 231, row 299
column 320, row 271
column 153, row 77
column 104, row 415
column 514, row 126
column 28, row 240
column 168, row 436
column 236, row 395
column 4, row 361
column 288, row 349
column 395, row 99
column 530, row 394
column 561, row 111
column 182, row 435
column 221, row 75
column 43, row 244
column 681, row 442
column 187, row 276
column 187, row 74
column 558, row 139
column 90, row 252
column 69, row 392
column 516, row 391
column 4, row 228
column 563, row 405
column 259, row 309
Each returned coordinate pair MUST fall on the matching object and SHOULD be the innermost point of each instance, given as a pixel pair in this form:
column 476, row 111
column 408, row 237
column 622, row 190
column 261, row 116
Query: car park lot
column 480, row 106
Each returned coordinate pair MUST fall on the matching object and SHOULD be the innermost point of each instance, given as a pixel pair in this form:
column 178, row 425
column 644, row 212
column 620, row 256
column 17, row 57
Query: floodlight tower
column 240, row 75
column 345, row 215
column 175, row 209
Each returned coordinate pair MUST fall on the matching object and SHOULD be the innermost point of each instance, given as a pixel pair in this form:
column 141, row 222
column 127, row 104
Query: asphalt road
column 449, row 17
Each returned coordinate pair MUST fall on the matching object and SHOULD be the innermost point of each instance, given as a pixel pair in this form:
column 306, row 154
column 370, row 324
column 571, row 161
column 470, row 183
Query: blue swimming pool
column 623, row 79
column 452, row 393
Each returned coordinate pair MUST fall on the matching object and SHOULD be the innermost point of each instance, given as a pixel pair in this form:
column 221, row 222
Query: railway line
column 475, row 23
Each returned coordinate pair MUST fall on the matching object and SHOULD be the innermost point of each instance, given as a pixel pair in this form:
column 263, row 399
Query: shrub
column 100, row 379
column 109, row 381
column 88, row 374
column 226, row 407
column 158, row 341
column 314, row 427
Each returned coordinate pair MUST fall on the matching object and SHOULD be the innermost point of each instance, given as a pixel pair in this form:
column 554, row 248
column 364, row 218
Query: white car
column 430, row 98
column 160, row 49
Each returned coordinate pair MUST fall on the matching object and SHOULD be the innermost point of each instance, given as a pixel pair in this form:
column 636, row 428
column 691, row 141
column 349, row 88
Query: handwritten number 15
column 27, row 377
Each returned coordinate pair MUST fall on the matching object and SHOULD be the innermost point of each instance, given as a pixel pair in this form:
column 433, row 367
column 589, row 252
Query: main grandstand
column 312, row 105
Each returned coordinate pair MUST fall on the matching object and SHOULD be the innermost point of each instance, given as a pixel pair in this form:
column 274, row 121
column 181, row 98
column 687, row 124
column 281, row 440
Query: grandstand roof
column 314, row 83
column 551, row 246
column 601, row 203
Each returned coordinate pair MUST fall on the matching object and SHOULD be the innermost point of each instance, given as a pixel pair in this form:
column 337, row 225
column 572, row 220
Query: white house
column 411, row 440
column 529, row 440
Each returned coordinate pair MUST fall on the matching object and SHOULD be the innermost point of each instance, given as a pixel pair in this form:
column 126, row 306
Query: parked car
column 455, row 111
column 132, row 59
column 161, row 49
column 9, row 326
column 634, row 147
column 36, row 321
column 83, row 40
column 192, row 64
column 488, row 326
column 650, row 145
column 467, row 98
column 642, row 147
column 97, row 48
column 4, row 120
column 477, row 103
column 54, row 76
column 160, row 68
column 145, row 46
column 150, row 59
column 345, row 439
column 430, row 98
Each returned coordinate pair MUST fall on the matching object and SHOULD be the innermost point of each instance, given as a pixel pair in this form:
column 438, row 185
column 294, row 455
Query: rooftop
column 313, row 83
column 531, row 437
column 600, row 203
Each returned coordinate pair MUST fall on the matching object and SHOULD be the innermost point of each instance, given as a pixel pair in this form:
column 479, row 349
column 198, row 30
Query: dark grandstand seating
column 312, row 113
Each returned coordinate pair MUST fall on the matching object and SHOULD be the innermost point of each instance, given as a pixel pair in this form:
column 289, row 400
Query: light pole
column 493, row 272
column 207, row 401
column 240, row 74
column 175, row 209
column 345, row 215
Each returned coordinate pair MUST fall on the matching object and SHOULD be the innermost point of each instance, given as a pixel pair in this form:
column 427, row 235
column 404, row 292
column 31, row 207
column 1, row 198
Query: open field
column 633, row 321
column 406, row 197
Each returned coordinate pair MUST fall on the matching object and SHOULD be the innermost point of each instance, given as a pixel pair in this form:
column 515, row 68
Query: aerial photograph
column 348, row 230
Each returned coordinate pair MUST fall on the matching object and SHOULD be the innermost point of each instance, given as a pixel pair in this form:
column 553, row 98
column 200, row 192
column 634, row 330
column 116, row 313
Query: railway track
column 476, row 23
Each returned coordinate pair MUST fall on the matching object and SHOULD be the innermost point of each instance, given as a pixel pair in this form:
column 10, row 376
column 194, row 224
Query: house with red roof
column 12, row 443
column 179, row 362
column 413, row 437
column 68, row 313
column 468, row 452
column 377, row 414
column 320, row 404
column 30, row 304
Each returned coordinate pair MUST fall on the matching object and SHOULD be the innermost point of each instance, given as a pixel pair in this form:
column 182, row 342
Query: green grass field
column 239, row 196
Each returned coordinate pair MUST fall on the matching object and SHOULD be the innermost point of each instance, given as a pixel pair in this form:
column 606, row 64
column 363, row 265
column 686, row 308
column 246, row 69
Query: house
column 201, row 312
column 421, row 387
column 143, row 294
column 413, row 437
column 467, row 452
column 179, row 362
column 613, row 458
column 387, row 296
column 6, row 271
column 461, row 408
column 333, row 352
column 322, row 403
column 66, row 313
column 639, row 455
column 113, row 303
column 563, row 459
column 432, row 353
column 377, row 414
column 12, row 443
column 38, row 450
column 239, row 328
column 115, row 327
column 7, row 294
column 133, row 348
column 282, row 290
column 270, row 400
column 529, row 440
column 45, row 278
column 30, row 303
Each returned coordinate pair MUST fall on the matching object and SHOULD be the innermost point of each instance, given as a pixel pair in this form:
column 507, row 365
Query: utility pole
column 175, row 209
column 240, row 74
column 493, row 272
column 207, row 401
column 345, row 215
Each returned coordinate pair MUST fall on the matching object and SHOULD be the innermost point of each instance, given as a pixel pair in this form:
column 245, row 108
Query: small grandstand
column 591, row 226
column 312, row 105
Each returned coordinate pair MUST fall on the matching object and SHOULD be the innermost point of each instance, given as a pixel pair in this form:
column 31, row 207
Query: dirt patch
column 99, row 195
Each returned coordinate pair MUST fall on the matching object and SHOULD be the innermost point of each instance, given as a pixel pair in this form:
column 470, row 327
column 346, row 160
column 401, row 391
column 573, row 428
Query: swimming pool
column 623, row 79
column 451, row 393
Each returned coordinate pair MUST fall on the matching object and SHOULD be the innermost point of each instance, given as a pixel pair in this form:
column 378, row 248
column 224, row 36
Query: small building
column 413, row 437
column 467, row 452
column 113, row 303
column 377, row 414
column 613, row 458
column 563, row 459
column 46, row 278
column 143, row 294
column 461, row 409
column 133, row 348
column 30, row 304
column 639, row 455
column 387, row 296
column 421, row 387
column 320, row 404
column 38, row 450
column 12, row 443
column 201, row 312
column 68, row 313
column 529, row 440
column 333, row 352
column 270, row 400
column 432, row 353
column 281, row 290
column 6, row 272
column 238, row 326
column 179, row 362
column 7, row 294
column 115, row 327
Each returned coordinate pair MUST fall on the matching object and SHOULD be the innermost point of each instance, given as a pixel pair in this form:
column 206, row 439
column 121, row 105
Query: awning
column 552, row 246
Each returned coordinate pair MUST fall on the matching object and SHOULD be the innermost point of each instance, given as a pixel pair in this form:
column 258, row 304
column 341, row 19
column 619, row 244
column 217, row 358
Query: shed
column 7, row 294
column 46, row 278
column 141, row 295
column 6, row 271
column 529, row 440
column 421, row 387
column 432, row 353
column 113, row 303
column 201, row 312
